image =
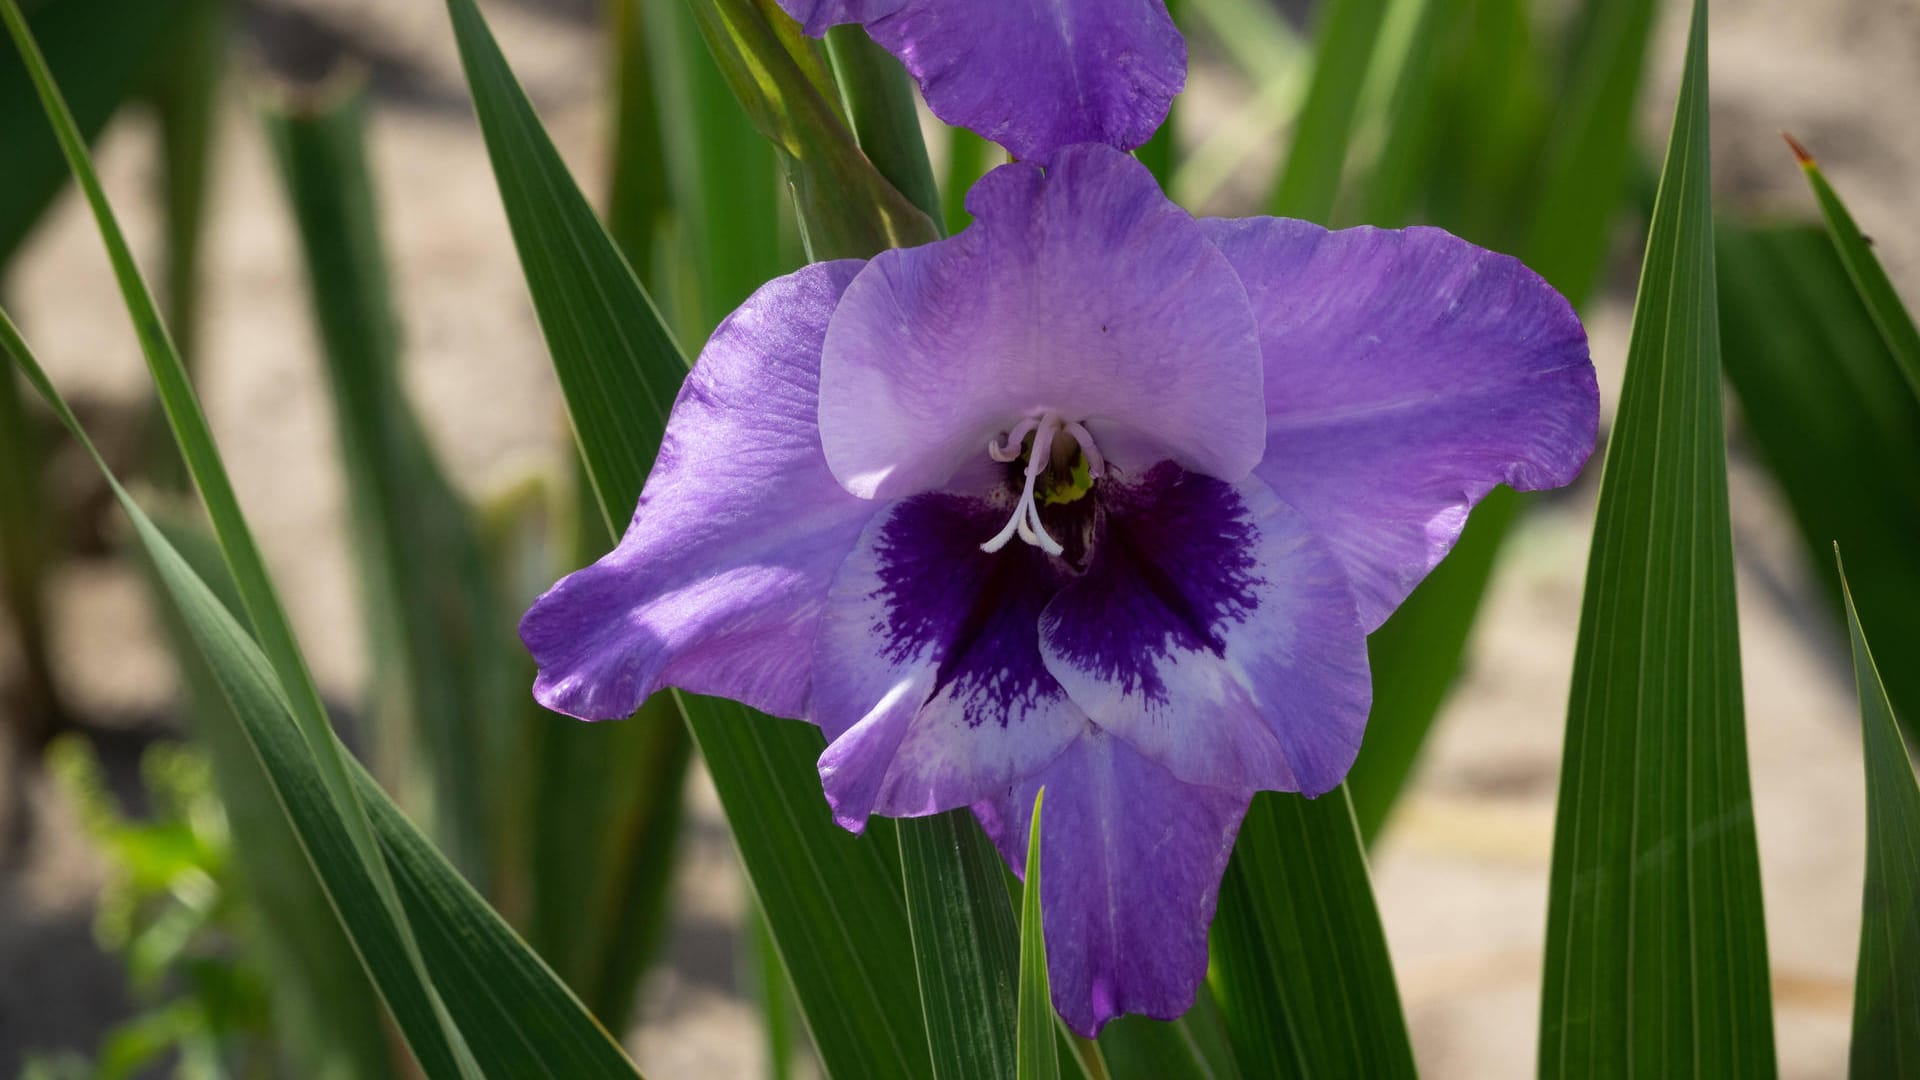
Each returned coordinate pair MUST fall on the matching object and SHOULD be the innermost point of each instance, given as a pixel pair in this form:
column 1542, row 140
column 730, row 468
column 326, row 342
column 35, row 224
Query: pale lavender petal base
column 1130, row 866
column 1080, row 290
column 930, row 687
column 1407, row 373
column 720, row 581
column 1031, row 75
column 1216, row 634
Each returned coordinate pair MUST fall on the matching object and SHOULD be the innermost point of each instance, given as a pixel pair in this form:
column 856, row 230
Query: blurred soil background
column 1461, row 871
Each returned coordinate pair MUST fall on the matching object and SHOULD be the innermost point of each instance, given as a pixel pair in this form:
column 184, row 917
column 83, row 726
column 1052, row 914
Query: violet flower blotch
column 1092, row 495
column 1032, row 77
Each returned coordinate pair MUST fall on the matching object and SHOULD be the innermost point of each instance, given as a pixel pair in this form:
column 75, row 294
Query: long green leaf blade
column 965, row 943
column 1886, row 1001
column 324, row 1009
column 1300, row 957
column 833, row 901
column 1038, row 1049
column 366, row 896
column 517, row 1015
column 1876, row 289
column 1656, row 949
column 176, row 393
column 512, row 1011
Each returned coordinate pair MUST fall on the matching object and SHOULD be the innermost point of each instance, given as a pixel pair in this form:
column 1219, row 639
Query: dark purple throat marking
column 1174, row 564
column 979, row 613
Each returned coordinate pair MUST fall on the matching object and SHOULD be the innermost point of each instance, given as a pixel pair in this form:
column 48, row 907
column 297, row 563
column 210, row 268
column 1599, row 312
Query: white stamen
column 1096, row 465
column 1025, row 522
column 1009, row 450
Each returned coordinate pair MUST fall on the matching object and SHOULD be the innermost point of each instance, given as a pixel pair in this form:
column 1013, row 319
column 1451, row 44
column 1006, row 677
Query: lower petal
column 1130, row 866
column 1216, row 633
column 930, row 686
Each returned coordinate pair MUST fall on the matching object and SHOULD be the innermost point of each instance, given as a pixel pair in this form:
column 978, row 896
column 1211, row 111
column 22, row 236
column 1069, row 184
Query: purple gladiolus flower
column 1032, row 75
column 1093, row 495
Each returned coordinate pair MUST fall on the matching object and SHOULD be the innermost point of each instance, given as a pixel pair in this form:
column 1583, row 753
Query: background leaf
column 1196, row 1046
column 1344, row 45
column 725, row 180
column 1418, row 654
column 1656, row 945
column 1586, row 160
column 1886, row 1004
column 438, row 696
column 26, row 543
column 1869, row 279
column 101, row 52
column 1823, row 402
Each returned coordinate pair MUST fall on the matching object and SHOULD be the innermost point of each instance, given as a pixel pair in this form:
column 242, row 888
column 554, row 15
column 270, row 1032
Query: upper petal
column 1080, row 289
column 1032, row 75
column 1408, row 372
column 817, row 15
column 718, row 585
column 1130, row 866
column 931, row 690
column 1216, row 634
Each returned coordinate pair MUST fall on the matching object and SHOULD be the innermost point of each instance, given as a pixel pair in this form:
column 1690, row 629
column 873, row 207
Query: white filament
column 1025, row 522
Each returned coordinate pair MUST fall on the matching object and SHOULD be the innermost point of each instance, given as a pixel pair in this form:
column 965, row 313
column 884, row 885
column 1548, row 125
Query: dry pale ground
column 1462, row 871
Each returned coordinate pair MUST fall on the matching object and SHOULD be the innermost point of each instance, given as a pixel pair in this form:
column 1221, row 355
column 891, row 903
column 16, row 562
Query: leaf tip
column 1800, row 153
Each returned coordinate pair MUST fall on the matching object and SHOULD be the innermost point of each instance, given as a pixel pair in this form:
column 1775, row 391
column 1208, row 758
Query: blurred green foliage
column 176, row 912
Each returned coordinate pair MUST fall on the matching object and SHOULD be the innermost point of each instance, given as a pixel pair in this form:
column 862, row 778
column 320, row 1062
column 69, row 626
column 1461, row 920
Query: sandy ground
column 1462, row 871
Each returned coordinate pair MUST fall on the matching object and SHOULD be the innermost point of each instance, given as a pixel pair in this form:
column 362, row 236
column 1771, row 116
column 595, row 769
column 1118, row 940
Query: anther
column 1009, row 450
column 1096, row 465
